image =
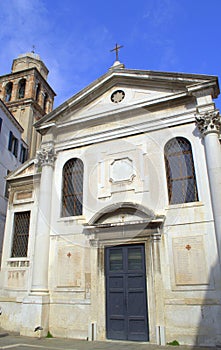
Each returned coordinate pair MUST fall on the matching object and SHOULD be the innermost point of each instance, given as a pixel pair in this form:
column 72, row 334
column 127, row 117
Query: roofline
column 24, row 142
column 11, row 117
column 142, row 71
column 30, row 55
column 118, row 71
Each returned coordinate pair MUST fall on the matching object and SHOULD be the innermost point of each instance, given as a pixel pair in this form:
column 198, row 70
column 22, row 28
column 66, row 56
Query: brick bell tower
column 27, row 95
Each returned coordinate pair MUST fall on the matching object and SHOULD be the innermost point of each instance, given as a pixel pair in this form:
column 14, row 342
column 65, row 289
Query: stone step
column 3, row 334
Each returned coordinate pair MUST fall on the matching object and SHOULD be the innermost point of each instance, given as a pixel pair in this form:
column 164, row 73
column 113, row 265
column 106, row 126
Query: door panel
column 135, row 259
column 126, row 305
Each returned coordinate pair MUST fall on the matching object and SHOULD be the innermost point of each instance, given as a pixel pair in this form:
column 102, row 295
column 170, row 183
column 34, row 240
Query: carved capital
column 46, row 156
column 208, row 122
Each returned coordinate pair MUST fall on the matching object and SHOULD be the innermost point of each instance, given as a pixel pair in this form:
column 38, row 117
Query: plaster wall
column 148, row 188
column 8, row 162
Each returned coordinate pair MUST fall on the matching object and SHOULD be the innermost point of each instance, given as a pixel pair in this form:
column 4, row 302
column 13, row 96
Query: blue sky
column 74, row 38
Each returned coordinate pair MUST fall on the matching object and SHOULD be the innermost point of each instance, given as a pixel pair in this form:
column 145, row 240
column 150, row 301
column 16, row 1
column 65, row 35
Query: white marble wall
column 183, row 281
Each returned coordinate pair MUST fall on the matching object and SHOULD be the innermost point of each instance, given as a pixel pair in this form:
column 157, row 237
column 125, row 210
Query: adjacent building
column 13, row 153
column 28, row 96
column 113, row 230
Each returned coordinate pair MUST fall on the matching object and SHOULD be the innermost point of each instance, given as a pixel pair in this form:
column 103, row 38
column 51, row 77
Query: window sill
column 80, row 219
column 18, row 262
column 185, row 205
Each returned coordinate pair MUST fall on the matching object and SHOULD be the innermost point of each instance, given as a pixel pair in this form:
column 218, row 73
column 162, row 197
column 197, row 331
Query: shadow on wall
column 2, row 227
column 209, row 329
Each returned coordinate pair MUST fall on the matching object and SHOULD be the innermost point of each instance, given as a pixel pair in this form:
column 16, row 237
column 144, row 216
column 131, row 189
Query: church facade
column 113, row 230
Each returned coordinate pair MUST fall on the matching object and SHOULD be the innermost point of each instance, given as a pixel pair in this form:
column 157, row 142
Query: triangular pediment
column 26, row 169
column 119, row 98
column 120, row 90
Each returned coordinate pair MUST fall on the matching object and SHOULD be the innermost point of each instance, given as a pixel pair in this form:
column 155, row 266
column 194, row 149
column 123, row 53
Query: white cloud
column 22, row 21
column 161, row 12
column 66, row 45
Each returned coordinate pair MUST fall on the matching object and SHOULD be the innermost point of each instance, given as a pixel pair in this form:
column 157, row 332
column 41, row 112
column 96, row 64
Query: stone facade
column 103, row 211
column 28, row 96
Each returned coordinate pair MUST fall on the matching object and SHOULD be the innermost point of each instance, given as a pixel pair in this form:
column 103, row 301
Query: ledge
column 184, row 205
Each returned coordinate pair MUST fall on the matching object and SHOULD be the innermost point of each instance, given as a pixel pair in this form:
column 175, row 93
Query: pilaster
column 209, row 124
column 45, row 159
column 158, row 286
column 35, row 311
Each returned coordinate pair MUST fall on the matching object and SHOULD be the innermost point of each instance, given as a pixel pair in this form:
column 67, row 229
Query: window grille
column 180, row 171
column 20, row 234
column 72, row 192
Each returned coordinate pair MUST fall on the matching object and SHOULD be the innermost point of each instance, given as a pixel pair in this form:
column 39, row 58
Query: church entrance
column 126, row 295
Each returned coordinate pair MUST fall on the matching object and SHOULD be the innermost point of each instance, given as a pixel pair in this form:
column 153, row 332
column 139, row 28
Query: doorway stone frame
column 147, row 232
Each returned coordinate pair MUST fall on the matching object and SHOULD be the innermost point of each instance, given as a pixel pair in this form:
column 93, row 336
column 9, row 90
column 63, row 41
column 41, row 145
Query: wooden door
column 126, row 295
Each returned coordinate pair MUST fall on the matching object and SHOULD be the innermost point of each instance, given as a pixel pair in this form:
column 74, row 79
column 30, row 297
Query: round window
column 117, row 96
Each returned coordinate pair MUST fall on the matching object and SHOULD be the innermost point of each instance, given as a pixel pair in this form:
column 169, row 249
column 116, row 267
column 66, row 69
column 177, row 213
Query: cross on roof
column 116, row 49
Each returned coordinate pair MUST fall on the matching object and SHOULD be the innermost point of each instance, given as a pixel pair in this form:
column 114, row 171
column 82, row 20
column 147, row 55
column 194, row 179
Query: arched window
column 180, row 171
column 21, row 88
column 45, row 102
column 8, row 91
column 38, row 89
column 72, row 190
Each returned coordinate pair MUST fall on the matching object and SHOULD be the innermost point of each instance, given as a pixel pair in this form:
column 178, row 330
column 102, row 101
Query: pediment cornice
column 27, row 169
column 136, row 109
column 180, row 84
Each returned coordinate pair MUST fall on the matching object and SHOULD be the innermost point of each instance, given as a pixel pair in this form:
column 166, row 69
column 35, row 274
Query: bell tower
column 27, row 94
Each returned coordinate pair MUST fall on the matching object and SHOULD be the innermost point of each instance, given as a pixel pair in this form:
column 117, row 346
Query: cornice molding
column 79, row 140
column 135, row 108
column 182, row 81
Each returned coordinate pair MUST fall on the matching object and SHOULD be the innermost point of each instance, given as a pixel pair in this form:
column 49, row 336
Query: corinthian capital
column 208, row 122
column 46, row 156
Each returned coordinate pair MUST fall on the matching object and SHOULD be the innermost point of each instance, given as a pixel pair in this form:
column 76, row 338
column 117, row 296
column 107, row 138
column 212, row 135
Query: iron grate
column 21, row 234
column 180, row 171
column 72, row 193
